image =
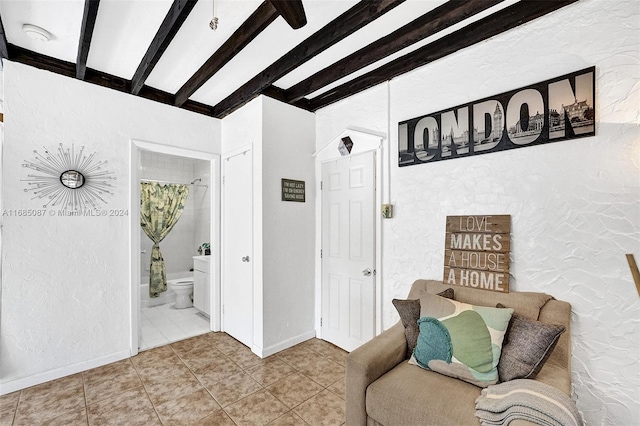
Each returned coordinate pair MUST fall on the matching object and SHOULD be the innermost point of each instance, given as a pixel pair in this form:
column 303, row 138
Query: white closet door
column 237, row 223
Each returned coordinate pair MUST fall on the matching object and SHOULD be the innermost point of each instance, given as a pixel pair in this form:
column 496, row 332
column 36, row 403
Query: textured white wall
column 575, row 205
column 65, row 280
column 288, row 227
column 282, row 139
column 240, row 129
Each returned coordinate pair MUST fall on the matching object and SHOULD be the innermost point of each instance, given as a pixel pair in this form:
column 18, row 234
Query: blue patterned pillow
column 461, row 340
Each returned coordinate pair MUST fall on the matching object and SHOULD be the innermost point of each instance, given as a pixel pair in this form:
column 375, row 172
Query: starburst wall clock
column 68, row 179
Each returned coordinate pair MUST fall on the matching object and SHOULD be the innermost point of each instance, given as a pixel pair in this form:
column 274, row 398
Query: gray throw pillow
column 528, row 344
column 409, row 311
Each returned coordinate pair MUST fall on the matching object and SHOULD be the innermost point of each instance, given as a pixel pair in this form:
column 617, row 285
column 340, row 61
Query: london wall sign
column 476, row 252
column 550, row 111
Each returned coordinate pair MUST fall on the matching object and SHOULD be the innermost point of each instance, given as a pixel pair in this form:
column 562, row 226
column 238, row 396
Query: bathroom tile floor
column 211, row 379
column 163, row 324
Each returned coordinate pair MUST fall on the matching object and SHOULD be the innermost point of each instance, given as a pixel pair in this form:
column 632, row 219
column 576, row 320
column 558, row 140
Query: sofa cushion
column 461, row 340
column 409, row 311
column 528, row 344
column 527, row 304
column 409, row 395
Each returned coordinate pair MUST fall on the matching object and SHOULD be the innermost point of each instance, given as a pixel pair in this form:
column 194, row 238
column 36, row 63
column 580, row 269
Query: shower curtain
column 160, row 208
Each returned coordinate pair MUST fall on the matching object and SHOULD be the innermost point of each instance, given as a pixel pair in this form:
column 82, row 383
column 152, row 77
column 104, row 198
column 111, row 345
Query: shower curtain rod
column 175, row 183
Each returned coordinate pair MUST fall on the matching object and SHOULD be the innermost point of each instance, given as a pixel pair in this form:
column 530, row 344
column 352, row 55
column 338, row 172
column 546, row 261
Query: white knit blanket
column 529, row 400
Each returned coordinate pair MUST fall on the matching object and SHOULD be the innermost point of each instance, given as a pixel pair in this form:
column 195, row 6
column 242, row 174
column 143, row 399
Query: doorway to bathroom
column 190, row 250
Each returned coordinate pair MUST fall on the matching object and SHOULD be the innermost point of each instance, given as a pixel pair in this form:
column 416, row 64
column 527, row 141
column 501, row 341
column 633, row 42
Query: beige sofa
column 384, row 389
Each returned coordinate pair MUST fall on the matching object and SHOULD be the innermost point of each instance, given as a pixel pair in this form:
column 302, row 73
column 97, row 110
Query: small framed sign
column 476, row 252
column 293, row 190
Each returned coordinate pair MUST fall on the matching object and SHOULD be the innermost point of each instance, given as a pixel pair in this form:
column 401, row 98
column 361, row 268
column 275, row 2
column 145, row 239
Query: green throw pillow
column 461, row 340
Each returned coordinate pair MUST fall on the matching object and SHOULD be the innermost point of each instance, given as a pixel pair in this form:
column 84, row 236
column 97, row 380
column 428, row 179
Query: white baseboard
column 270, row 350
column 19, row 384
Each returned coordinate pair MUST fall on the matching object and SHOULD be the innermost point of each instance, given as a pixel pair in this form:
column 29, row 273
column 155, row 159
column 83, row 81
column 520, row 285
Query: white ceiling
column 123, row 32
column 404, row 17
column 276, row 40
column 196, row 42
column 125, row 28
column 61, row 18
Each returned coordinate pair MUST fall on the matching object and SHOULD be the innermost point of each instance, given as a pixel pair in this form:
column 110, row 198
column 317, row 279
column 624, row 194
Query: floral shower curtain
column 160, row 208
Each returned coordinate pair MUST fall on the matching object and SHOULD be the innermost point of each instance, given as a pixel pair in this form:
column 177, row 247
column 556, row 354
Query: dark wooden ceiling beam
column 260, row 19
column 346, row 24
column 4, row 50
column 146, row 92
column 279, row 94
column 40, row 61
column 499, row 22
column 426, row 25
column 177, row 14
column 292, row 11
column 157, row 95
column 68, row 69
column 86, row 33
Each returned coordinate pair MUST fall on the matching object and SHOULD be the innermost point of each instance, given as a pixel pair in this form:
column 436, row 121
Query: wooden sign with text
column 476, row 252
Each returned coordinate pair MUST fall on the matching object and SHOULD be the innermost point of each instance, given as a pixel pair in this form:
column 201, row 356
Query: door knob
column 245, row 258
column 366, row 272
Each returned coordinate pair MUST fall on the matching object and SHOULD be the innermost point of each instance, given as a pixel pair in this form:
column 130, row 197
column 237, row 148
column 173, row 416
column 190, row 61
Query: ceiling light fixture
column 37, row 33
column 214, row 21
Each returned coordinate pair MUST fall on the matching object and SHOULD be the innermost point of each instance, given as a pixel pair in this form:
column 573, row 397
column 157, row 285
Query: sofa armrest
column 368, row 363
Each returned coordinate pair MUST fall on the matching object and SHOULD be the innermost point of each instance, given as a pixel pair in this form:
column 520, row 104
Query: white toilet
column 183, row 288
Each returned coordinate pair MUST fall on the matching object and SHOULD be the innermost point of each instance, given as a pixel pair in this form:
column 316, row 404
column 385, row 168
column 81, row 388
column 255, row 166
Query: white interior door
column 237, row 280
column 348, row 250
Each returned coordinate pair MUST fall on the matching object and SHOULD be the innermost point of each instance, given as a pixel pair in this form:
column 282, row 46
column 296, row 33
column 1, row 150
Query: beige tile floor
column 210, row 379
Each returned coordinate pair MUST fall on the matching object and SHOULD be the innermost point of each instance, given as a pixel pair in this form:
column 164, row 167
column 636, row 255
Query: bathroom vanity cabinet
column 202, row 284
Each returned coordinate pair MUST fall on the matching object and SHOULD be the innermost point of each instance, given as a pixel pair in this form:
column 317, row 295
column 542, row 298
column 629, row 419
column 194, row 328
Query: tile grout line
column 244, row 371
column 238, row 357
column 200, row 382
column 146, row 391
column 291, row 410
column 15, row 413
column 198, row 379
column 84, row 394
column 262, row 386
column 195, row 375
